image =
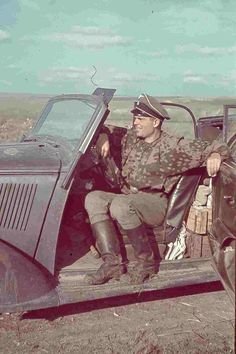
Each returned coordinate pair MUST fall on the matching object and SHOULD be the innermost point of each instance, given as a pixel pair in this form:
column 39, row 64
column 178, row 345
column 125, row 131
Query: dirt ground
column 200, row 320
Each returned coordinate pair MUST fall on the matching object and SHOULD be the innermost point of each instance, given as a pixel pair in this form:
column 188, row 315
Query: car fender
column 23, row 284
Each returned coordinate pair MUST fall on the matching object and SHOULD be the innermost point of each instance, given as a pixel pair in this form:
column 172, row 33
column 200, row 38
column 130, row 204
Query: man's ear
column 156, row 122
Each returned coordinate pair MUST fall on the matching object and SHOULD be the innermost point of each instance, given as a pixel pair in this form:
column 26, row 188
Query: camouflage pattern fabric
column 158, row 166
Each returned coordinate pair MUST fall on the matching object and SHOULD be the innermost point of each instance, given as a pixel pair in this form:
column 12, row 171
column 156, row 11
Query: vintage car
column 46, row 245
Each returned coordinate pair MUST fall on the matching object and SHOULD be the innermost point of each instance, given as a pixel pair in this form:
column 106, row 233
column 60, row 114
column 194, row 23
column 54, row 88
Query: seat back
column 179, row 203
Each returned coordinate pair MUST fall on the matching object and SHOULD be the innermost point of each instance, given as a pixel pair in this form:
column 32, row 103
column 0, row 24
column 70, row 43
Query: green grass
column 181, row 121
column 21, row 108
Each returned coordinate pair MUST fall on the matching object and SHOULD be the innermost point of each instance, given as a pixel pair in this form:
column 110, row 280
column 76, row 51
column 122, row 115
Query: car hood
column 29, row 157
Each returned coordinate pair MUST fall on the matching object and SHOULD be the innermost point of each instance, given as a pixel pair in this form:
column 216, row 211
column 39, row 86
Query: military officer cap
column 149, row 106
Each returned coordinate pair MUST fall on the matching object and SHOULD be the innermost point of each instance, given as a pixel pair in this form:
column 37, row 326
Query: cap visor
column 135, row 111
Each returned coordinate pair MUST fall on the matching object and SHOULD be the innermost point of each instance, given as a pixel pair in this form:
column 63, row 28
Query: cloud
column 89, row 37
column 4, row 35
column 30, row 4
column 212, row 80
column 6, row 82
column 228, row 80
column 156, row 54
column 119, row 78
column 14, row 66
column 69, row 74
column 91, row 30
column 194, row 79
column 105, row 76
column 193, row 48
column 132, row 78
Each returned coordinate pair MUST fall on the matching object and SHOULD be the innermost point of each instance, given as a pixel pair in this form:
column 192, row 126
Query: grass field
column 19, row 111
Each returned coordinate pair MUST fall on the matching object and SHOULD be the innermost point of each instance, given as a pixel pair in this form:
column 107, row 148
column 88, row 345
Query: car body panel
column 28, row 157
column 23, row 284
column 24, row 204
column 225, row 209
column 223, row 232
column 47, row 245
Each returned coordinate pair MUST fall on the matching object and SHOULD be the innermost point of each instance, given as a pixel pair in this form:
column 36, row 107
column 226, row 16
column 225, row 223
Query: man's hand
column 103, row 145
column 213, row 164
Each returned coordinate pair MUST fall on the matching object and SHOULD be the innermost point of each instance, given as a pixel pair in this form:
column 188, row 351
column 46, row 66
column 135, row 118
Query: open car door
column 70, row 122
column 36, row 176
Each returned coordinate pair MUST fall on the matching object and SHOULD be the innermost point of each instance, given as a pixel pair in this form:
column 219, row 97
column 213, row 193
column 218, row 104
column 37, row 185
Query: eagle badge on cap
column 149, row 106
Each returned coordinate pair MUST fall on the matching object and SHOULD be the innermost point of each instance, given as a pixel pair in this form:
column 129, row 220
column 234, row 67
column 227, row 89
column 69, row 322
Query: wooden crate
column 199, row 220
column 197, row 246
column 198, row 223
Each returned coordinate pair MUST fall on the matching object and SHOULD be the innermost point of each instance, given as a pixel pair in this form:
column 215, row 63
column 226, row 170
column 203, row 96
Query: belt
column 135, row 190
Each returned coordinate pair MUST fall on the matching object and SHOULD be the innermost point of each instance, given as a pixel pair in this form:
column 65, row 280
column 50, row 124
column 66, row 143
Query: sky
column 161, row 47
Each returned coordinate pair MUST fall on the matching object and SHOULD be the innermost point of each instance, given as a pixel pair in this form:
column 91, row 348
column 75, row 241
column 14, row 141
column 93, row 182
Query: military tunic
column 157, row 166
column 149, row 172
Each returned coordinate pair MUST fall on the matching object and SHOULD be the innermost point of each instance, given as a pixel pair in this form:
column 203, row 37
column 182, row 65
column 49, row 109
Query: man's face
column 145, row 127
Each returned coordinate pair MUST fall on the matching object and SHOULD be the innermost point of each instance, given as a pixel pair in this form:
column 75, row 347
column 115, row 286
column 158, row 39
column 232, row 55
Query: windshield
column 66, row 118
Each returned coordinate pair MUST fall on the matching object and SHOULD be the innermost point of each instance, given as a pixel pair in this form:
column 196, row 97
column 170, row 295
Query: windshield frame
column 226, row 116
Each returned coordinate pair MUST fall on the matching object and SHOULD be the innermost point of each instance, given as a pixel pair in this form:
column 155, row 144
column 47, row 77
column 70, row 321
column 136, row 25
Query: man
column 152, row 163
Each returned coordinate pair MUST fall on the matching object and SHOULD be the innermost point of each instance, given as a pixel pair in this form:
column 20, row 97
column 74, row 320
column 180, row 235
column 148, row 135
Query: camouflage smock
column 157, row 166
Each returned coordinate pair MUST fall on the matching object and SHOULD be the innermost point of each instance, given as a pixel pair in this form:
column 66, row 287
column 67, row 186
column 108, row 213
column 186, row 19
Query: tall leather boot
column 108, row 245
column 146, row 264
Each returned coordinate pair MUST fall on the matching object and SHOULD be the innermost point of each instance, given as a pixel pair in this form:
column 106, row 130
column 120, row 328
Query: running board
column 172, row 274
column 72, row 288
